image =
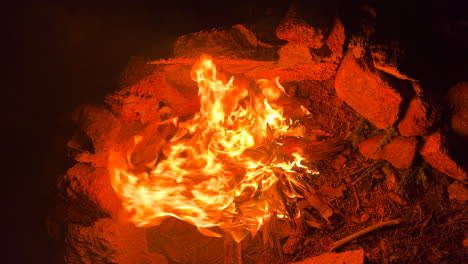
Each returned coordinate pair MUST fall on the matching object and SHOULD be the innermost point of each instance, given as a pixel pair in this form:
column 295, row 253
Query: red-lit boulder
column 291, row 54
column 435, row 152
column 457, row 191
column 399, row 151
column 99, row 125
column 297, row 31
column 386, row 58
column 419, row 118
column 108, row 241
column 458, row 101
column 140, row 94
column 142, row 87
column 297, row 62
column 347, row 257
column 237, row 42
column 336, row 38
column 174, row 237
column 363, row 88
column 84, row 195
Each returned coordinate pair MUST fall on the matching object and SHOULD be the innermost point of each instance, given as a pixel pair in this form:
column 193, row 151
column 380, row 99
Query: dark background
column 58, row 55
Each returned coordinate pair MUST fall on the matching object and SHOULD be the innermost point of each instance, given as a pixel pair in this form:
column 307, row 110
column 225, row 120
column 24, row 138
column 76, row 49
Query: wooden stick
column 239, row 253
column 358, row 205
column 315, row 201
column 228, row 249
column 363, row 232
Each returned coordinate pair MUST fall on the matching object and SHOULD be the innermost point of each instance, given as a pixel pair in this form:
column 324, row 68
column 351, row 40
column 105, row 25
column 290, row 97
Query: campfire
column 223, row 166
column 242, row 149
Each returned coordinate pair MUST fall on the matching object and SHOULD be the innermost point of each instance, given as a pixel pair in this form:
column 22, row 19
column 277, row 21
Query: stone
column 457, row 99
column 457, row 191
column 178, row 76
column 235, row 43
column 347, row 257
column 339, row 162
column 84, row 194
column 308, row 23
column 98, row 160
column 139, row 98
column 419, row 118
column 435, row 152
column 386, row 58
column 108, row 241
column 399, row 151
column 336, row 38
column 173, row 237
column 364, row 218
column 299, row 55
column 367, row 92
column 291, row 54
column 323, row 69
column 99, row 125
column 324, row 62
column 297, row 31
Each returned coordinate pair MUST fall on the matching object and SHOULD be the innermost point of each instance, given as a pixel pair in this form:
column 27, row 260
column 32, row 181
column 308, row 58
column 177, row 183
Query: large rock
column 308, row 23
column 386, row 59
column 291, row 70
column 458, row 101
column 347, row 257
column 435, row 152
column 321, row 70
column 181, row 242
column 297, row 31
column 139, row 96
column 399, row 151
column 99, row 125
column 367, row 92
column 457, row 191
column 178, row 76
column 419, row 119
column 336, row 38
column 291, row 54
column 235, row 43
column 108, row 241
column 84, row 195
column 142, row 87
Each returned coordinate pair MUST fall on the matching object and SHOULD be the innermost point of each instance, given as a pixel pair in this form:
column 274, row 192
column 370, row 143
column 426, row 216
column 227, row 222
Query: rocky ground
column 391, row 152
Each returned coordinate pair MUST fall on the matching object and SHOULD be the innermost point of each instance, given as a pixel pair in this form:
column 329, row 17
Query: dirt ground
column 350, row 194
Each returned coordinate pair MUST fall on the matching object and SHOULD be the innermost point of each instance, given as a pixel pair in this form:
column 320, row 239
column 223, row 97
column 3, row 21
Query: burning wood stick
column 232, row 250
column 228, row 249
column 317, row 202
column 363, row 232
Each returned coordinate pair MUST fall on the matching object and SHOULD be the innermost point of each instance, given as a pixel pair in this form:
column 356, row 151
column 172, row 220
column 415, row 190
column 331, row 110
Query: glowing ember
column 221, row 168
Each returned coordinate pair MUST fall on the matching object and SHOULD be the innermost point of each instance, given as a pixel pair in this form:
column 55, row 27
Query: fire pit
column 244, row 150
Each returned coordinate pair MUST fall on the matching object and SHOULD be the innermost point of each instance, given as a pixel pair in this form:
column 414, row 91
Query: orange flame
column 221, row 166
